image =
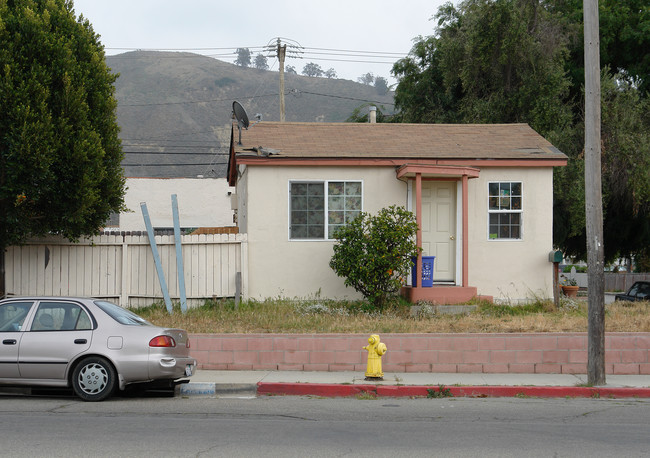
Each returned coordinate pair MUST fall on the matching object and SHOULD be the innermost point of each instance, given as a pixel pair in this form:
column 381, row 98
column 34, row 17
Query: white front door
column 439, row 227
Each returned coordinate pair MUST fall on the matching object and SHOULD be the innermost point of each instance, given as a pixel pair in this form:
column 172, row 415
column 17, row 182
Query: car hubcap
column 93, row 378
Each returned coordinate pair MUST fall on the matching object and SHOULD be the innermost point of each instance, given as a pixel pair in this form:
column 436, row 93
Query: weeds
column 317, row 315
column 442, row 392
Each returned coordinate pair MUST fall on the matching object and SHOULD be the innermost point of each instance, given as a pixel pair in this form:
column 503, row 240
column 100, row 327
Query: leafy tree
column 366, row 79
column 312, row 69
column 381, row 85
column 243, row 57
column 60, row 154
column 330, row 73
column 261, row 62
column 291, row 69
column 374, row 253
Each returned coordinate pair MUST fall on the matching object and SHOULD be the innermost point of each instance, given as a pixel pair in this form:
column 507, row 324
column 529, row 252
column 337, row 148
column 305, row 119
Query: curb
column 337, row 390
column 224, row 390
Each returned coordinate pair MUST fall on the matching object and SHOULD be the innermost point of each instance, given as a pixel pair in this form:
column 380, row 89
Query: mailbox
column 555, row 256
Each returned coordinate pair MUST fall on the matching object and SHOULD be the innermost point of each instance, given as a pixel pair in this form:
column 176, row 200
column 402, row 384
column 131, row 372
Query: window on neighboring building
column 504, row 210
column 319, row 208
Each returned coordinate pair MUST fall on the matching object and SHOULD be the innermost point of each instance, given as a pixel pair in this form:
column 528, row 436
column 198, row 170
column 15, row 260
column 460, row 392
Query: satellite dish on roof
column 241, row 117
column 240, row 114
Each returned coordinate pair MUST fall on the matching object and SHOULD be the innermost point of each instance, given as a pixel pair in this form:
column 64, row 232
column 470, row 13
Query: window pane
column 299, row 202
column 515, row 232
column 516, row 203
column 353, row 203
column 336, row 203
column 315, row 218
column 12, row 316
column 336, row 188
column 299, row 217
column 316, row 203
column 494, row 189
column 299, row 189
column 515, row 189
column 316, row 189
column 353, row 189
column 337, row 217
column 299, row 231
column 316, row 232
column 351, row 216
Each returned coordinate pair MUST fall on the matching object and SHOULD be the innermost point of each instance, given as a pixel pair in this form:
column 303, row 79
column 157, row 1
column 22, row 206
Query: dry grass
column 308, row 317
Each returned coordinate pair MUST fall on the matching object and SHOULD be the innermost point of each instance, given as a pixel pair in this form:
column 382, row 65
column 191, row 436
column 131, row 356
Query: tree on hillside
column 290, row 69
column 330, row 73
column 366, row 79
column 381, row 85
column 261, row 62
column 243, row 57
column 312, row 69
column 60, row 154
column 505, row 61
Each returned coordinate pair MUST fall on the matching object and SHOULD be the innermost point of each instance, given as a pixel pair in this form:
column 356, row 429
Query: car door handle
column 9, row 342
column 80, row 341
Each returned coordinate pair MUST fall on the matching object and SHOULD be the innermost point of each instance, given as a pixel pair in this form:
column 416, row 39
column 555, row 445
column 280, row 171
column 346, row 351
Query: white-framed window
column 318, row 208
column 505, row 210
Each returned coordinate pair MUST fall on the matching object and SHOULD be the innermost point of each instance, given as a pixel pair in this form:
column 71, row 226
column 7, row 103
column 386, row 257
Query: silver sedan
column 92, row 345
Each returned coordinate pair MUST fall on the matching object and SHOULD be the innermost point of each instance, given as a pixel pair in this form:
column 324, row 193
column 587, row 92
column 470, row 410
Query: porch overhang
column 410, row 171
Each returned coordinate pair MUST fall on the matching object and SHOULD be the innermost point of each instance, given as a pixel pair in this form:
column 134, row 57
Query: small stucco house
column 482, row 195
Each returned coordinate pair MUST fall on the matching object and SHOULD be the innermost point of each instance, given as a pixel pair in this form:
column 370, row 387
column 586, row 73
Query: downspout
column 465, row 231
column 418, row 236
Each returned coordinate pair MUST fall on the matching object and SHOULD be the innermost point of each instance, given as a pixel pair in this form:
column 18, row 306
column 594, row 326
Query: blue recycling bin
column 427, row 271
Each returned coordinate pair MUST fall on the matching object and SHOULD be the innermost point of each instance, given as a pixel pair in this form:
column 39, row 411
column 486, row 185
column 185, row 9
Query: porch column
column 418, row 234
column 465, row 231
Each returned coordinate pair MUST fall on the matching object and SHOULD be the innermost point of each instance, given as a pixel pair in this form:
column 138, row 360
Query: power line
column 295, row 91
column 195, row 101
column 195, row 164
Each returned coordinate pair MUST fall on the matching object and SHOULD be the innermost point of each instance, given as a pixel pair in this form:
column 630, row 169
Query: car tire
column 93, row 379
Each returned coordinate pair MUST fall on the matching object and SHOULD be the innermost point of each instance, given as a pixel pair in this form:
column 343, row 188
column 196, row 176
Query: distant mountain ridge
column 174, row 109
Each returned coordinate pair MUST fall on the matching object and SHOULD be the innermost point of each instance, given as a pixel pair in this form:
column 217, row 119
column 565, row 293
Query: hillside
column 174, row 109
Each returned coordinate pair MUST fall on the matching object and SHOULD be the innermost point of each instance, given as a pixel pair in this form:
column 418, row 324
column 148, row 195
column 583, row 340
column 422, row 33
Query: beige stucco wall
column 508, row 270
column 202, row 202
column 513, row 270
column 279, row 267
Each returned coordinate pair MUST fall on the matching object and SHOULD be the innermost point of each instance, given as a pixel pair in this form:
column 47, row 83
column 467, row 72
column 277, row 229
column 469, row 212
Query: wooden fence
column 121, row 268
column 614, row 281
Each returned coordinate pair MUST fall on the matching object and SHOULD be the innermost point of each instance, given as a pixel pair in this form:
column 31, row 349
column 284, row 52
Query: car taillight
column 187, row 343
column 162, row 341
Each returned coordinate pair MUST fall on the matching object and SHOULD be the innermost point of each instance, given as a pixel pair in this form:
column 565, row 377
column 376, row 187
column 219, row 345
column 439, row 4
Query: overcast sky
column 384, row 29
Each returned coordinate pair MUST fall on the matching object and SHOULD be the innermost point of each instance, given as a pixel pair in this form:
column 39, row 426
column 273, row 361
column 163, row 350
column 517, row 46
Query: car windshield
column 121, row 315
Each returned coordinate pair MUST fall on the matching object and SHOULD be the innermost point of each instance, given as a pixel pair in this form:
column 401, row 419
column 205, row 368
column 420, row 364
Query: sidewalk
column 340, row 384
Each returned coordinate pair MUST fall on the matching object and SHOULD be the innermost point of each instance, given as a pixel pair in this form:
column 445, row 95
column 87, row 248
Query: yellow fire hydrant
column 376, row 350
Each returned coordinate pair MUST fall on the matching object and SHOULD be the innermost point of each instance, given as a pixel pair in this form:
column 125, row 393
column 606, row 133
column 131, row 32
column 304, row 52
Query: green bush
column 373, row 253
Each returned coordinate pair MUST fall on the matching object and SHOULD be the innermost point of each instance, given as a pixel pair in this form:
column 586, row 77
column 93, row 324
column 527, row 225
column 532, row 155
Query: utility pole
column 594, row 199
column 282, row 51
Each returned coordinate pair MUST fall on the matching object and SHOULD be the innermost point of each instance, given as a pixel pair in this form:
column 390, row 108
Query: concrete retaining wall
column 544, row 353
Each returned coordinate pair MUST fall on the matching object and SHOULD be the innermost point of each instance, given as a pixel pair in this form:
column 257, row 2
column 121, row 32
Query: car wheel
column 93, row 379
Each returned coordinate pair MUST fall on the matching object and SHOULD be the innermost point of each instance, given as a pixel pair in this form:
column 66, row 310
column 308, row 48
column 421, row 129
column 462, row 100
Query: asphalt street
column 295, row 426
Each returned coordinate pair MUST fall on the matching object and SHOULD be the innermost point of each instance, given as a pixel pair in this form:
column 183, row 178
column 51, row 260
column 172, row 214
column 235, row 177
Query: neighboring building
column 202, row 202
column 483, row 196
